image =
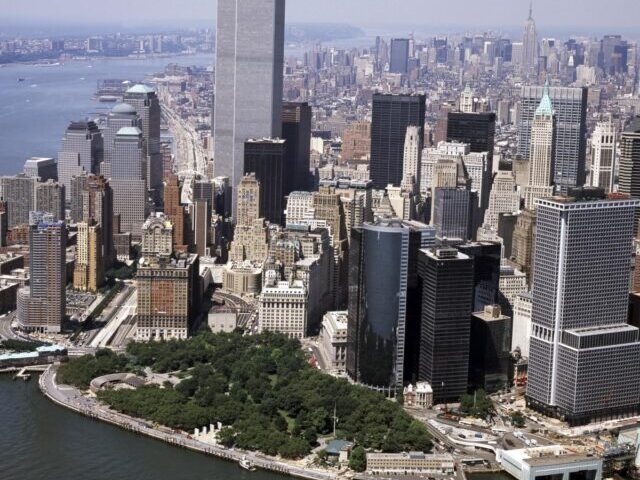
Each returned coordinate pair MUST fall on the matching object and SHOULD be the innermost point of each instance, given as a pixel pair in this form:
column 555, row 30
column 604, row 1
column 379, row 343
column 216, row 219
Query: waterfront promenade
column 72, row 398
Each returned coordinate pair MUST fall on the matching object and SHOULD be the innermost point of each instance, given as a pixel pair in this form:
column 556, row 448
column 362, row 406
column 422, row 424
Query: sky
column 580, row 15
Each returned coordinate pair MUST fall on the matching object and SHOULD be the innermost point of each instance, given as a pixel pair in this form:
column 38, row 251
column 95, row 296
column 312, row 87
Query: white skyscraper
column 603, row 154
column 503, row 198
column 541, row 152
column 466, row 100
column 249, row 62
column 411, row 160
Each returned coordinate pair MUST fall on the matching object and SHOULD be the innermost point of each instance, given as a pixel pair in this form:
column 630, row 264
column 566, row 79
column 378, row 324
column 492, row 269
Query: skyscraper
column 530, row 45
column 122, row 115
column 147, row 106
column 383, row 290
column 128, row 180
column 503, row 198
column 399, row 55
column 174, row 209
column 296, row 131
column 629, row 181
column 169, row 296
column 50, row 198
column 249, row 63
column 584, row 360
column 412, row 158
column 82, row 151
column 19, row 191
column 88, row 274
column 250, row 239
column 41, row 167
column 476, row 129
column 391, row 116
column 603, row 154
column 541, row 152
column 447, row 296
column 265, row 158
column 41, row 305
column 570, row 105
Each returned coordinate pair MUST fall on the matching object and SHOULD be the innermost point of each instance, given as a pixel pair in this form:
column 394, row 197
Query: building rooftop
column 545, row 107
column 124, row 109
column 129, row 132
column 141, row 88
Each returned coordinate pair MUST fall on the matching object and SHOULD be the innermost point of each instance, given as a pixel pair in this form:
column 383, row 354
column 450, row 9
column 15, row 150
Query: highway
column 6, row 333
column 190, row 155
column 125, row 308
column 73, row 399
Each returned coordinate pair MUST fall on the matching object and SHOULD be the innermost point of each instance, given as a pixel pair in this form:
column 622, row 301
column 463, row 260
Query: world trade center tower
column 248, row 99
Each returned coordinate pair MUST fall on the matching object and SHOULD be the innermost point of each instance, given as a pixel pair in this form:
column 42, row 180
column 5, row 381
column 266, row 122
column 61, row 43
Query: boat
column 108, row 98
column 21, row 79
column 247, row 465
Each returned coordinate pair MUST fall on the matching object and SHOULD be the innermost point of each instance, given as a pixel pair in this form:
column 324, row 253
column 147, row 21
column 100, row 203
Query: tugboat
column 21, row 79
column 246, row 464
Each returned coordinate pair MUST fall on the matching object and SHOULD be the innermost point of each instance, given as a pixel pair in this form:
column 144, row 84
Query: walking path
column 72, row 398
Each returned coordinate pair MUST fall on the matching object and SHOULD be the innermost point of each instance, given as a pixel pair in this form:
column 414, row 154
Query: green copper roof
column 545, row 107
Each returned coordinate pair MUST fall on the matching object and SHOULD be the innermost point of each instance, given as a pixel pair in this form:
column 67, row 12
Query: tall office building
column 169, row 296
column 447, row 300
column 249, row 66
column 383, row 295
column 265, row 158
column 454, row 213
column 296, row 131
column 476, row 129
column 412, row 159
column 603, row 154
column 399, row 55
column 147, row 105
column 486, row 272
column 391, row 116
column 467, row 100
column 530, row 45
column 82, row 151
column 88, row 273
column 328, row 206
column 174, row 209
column 570, row 106
column 19, row 191
column 50, row 198
column 41, row 305
column 157, row 236
column 503, row 198
column 42, row 168
column 92, row 203
column 128, row 180
column 541, row 155
column 122, row 115
column 629, row 179
column 250, row 239
column 584, row 359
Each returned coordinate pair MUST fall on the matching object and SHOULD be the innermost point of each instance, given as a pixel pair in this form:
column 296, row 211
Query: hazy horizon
column 550, row 15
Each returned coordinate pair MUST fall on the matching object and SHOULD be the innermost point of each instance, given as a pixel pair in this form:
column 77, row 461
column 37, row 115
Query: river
column 34, row 113
column 40, row 441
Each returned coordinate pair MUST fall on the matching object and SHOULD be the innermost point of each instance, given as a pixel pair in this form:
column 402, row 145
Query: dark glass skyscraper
column 265, row 158
column 82, row 151
column 447, row 296
column 476, row 129
column 296, row 130
column 399, row 55
column 383, row 289
column 486, row 272
column 391, row 116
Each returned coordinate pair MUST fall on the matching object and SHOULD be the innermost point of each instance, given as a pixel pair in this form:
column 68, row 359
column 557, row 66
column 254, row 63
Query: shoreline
column 54, row 62
column 92, row 410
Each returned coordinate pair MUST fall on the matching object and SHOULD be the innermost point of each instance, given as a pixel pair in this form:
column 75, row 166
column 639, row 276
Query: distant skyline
column 572, row 15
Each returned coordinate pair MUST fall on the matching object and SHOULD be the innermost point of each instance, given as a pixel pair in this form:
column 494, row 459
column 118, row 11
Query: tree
column 358, row 459
column 477, row 405
column 517, row 419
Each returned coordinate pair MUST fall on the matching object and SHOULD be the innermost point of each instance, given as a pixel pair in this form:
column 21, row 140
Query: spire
column 545, row 107
column 530, row 9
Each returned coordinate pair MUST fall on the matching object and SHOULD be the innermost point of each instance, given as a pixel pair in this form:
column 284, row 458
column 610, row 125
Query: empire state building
column 529, row 45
